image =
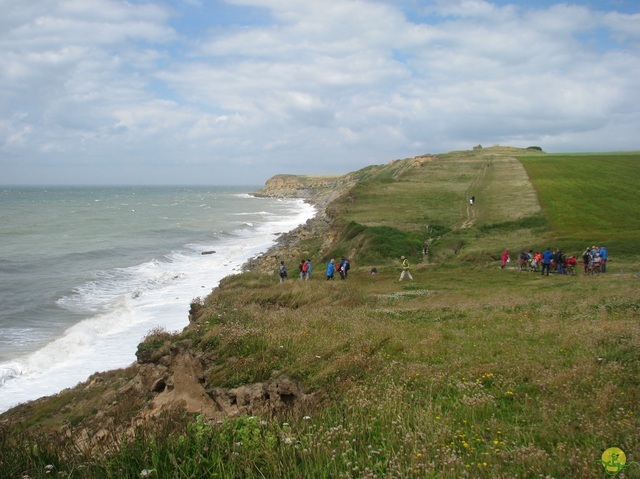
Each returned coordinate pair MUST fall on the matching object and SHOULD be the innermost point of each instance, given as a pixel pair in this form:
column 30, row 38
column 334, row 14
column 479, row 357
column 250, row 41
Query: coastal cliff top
column 413, row 374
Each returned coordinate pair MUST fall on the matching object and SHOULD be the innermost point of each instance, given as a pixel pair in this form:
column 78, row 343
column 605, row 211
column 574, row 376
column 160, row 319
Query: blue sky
column 233, row 92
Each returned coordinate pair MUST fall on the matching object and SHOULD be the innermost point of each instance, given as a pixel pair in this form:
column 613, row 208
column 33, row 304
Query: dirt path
column 471, row 209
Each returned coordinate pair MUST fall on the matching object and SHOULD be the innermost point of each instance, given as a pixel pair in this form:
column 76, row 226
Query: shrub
column 376, row 244
column 154, row 346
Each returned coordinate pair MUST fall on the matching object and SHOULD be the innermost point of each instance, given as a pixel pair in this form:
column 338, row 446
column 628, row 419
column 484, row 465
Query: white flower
column 146, row 472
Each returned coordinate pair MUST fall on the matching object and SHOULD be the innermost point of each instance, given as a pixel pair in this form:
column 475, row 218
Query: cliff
column 319, row 190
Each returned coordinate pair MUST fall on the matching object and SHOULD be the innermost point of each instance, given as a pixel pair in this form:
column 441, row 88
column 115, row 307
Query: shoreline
column 25, row 384
column 286, row 245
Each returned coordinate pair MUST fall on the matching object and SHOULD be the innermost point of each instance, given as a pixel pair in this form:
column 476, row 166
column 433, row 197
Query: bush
column 154, row 346
column 375, row 244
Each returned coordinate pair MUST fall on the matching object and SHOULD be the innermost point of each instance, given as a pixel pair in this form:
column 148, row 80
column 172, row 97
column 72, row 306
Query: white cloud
column 315, row 86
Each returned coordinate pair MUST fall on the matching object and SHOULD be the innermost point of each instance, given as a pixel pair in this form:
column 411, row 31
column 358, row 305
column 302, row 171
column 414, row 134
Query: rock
column 159, row 385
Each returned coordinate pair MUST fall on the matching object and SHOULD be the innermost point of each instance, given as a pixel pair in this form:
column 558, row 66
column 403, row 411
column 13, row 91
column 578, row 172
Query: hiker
column 343, row 267
column 304, row 270
column 283, row 272
column 603, row 257
column 308, row 276
column 523, row 261
column 472, row 200
column 586, row 259
column 331, row 267
column 300, row 267
column 505, row 258
column 559, row 258
column 547, row 256
column 536, row 261
column 405, row 269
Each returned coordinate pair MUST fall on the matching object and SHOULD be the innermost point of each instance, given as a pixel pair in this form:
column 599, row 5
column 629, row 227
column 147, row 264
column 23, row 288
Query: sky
column 232, row 92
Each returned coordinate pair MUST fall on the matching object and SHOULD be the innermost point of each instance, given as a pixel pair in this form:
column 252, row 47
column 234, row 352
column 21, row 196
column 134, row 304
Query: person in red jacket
column 505, row 258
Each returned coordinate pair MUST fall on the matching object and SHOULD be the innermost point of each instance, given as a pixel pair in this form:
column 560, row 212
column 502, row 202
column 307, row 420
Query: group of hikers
column 594, row 261
column 306, row 269
column 342, row 268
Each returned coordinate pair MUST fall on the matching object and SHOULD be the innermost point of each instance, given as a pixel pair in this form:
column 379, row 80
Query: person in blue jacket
column 603, row 257
column 331, row 269
column 308, row 269
column 547, row 256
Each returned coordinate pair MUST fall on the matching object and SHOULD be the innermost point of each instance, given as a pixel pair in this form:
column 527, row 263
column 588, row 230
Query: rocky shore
column 319, row 191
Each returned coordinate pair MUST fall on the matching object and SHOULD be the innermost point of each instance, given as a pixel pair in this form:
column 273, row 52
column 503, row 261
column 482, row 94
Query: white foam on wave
column 124, row 305
column 256, row 213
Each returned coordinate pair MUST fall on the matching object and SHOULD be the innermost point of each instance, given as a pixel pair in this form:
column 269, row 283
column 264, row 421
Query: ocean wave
column 114, row 308
column 256, row 213
column 110, row 287
column 9, row 371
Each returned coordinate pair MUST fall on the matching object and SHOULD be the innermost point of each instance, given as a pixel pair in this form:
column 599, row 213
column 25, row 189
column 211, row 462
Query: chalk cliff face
column 313, row 188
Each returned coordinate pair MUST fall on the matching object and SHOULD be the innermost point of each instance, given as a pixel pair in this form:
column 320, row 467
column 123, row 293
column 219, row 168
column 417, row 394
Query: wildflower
column 147, row 472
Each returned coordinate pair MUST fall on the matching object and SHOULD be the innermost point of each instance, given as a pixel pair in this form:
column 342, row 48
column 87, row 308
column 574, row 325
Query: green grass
column 467, row 371
column 590, row 199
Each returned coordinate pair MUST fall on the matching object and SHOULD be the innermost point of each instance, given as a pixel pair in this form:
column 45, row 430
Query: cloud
column 234, row 93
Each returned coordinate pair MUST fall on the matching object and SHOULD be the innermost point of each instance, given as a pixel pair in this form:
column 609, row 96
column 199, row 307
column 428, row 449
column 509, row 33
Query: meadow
column 469, row 370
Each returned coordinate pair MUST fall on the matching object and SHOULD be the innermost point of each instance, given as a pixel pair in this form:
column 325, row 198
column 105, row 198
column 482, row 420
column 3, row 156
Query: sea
column 87, row 272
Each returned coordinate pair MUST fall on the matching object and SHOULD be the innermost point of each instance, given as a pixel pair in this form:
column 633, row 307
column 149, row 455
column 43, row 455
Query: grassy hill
column 469, row 370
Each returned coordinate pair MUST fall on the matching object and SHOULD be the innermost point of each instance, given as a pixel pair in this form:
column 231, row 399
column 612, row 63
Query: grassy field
column 585, row 204
column 469, row 370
